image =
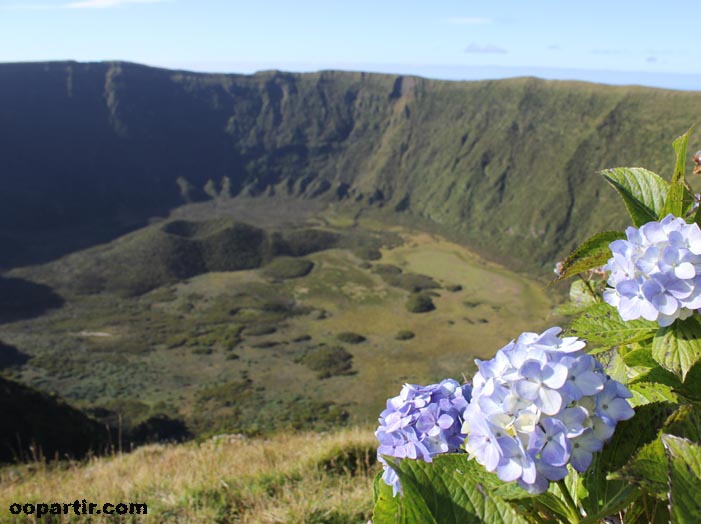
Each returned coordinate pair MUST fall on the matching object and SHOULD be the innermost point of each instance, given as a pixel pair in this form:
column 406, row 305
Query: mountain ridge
column 505, row 165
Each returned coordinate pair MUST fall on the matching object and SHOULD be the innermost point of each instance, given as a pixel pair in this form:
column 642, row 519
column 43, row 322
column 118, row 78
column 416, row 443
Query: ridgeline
column 506, row 166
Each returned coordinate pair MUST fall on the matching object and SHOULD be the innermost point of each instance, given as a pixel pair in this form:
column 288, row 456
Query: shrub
column 405, row 334
column 420, row 303
column 350, row 338
column 328, row 361
column 288, row 267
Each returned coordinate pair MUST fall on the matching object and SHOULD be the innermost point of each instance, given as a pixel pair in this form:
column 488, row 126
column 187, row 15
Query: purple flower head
column 540, row 404
column 656, row 273
column 421, row 422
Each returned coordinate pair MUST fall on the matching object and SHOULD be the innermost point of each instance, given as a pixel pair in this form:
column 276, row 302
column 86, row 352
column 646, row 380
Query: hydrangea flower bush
column 420, row 423
column 540, row 404
column 656, row 272
column 597, row 425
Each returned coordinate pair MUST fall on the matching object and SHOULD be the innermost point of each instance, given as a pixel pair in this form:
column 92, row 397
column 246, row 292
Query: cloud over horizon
column 487, row 48
column 102, row 4
column 469, row 20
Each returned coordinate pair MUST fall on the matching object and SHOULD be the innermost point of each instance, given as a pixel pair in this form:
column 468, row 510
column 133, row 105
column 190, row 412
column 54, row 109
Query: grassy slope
column 301, row 478
column 214, row 348
column 506, row 165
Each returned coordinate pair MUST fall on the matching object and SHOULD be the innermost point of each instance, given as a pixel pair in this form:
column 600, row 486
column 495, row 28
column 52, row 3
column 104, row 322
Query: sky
column 614, row 41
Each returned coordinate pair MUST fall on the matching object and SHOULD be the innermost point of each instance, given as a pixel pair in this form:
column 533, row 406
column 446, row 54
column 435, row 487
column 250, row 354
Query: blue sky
column 644, row 42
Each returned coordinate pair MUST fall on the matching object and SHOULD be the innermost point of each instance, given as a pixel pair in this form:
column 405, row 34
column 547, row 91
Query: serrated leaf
column 630, row 437
column 678, row 347
column 678, row 196
column 648, row 469
column 601, row 325
column 684, row 458
column 644, row 193
column 691, row 388
column 640, row 357
column 452, row 490
column 648, row 392
column 594, row 252
column 685, row 422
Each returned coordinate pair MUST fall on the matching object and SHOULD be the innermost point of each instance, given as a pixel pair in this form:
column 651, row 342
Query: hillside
column 308, row 478
column 90, row 151
column 36, row 425
column 174, row 251
column 304, row 328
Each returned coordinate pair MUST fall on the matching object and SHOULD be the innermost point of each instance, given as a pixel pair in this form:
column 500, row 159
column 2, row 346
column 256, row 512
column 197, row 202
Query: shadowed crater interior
column 21, row 299
column 10, row 356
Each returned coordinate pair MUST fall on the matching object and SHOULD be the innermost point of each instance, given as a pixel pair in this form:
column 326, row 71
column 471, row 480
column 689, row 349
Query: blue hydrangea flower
column 540, row 404
column 656, row 273
column 420, row 423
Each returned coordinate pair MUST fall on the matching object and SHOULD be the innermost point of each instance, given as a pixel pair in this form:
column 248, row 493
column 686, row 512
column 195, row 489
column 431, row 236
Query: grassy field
column 307, row 342
column 312, row 343
column 319, row 478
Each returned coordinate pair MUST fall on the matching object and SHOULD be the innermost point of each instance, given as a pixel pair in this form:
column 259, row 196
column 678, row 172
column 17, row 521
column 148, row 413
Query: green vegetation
column 328, row 361
column 486, row 162
column 310, row 478
column 411, row 282
column 288, row 267
column 419, row 303
column 36, row 426
column 405, row 334
column 349, row 337
column 160, row 349
column 164, row 254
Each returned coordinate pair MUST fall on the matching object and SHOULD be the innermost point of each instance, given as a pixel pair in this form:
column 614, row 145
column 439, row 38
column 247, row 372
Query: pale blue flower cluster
column 538, row 405
column 421, row 422
column 656, row 272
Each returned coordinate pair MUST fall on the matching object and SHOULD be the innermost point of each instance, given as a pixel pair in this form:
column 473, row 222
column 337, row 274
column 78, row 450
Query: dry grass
column 309, row 478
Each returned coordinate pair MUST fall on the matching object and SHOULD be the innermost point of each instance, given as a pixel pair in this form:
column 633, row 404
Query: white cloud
column 27, row 7
column 102, row 4
column 609, row 51
column 487, row 48
column 469, row 20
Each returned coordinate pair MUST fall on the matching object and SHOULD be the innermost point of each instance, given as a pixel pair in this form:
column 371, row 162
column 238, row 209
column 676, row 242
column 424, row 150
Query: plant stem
column 576, row 514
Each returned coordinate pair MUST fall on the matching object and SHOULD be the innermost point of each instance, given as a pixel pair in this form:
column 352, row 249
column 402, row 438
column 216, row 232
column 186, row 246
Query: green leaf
column 654, row 375
column 648, row 469
column 648, row 392
column 553, row 504
column 452, row 490
column 621, row 500
column 387, row 508
column 581, row 295
column 601, row 325
column 678, row 347
column 684, row 479
column 628, row 439
column 678, row 197
column 644, row 193
column 594, row 252
column 691, row 388
column 640, row 357
column 685, row 422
